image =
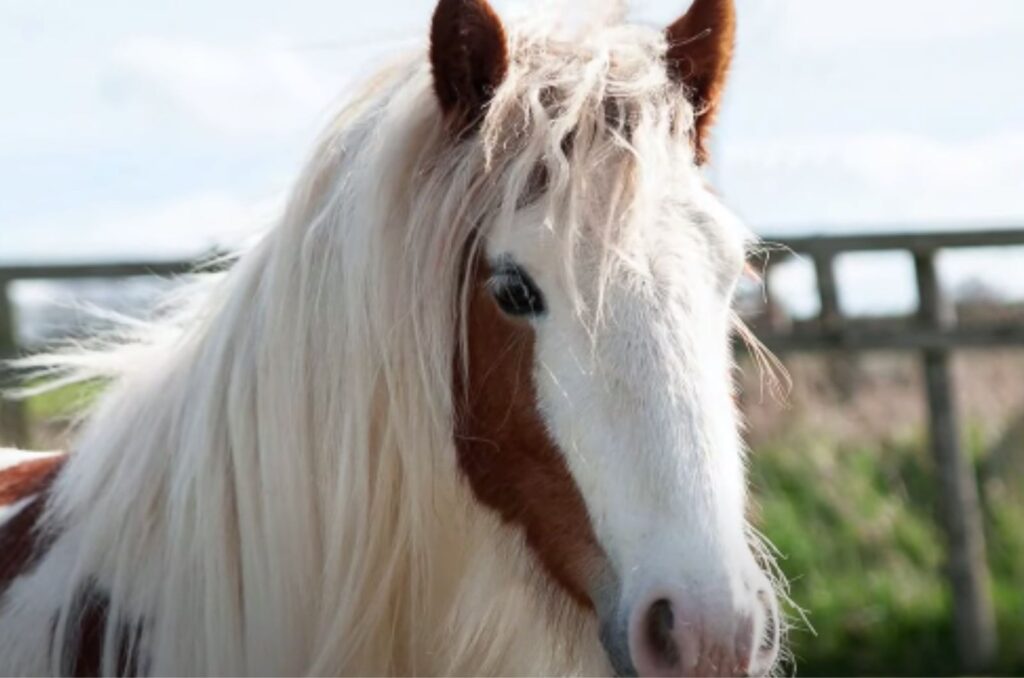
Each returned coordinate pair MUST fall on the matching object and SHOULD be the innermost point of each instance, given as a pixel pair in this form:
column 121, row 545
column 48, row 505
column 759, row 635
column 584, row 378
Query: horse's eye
column 515, row 291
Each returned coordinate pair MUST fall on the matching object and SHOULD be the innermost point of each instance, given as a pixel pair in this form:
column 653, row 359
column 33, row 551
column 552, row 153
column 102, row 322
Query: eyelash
column 515, row 292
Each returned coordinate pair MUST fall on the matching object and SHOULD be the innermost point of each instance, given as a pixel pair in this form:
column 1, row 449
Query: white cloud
column 828, row 25
column 236, row 91
column 874, row 179
column 184, row 227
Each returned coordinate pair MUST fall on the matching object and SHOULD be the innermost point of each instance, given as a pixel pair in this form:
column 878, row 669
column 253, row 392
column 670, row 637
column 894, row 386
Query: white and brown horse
column 467, row 408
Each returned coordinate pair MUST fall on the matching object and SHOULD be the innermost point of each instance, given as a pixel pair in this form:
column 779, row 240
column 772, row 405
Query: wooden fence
column 933, row 333
column 13, row 422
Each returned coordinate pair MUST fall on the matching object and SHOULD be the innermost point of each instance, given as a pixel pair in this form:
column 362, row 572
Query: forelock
column 598, row 126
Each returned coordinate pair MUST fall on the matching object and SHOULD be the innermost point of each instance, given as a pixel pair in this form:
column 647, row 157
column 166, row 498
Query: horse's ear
column 700, row 46
column 469, row 56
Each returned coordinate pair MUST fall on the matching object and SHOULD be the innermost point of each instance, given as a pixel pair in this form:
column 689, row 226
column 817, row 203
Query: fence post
column 824, row 271
column 974, row 622
column 13, row 428
column 844, row 366
column 775, row 314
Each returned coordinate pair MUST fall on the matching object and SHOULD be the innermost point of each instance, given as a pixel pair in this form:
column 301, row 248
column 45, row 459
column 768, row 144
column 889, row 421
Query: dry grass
column 880, row 396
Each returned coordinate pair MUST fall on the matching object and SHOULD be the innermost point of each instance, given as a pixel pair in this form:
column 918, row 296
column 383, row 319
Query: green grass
column 62, row 403
column 865, row 557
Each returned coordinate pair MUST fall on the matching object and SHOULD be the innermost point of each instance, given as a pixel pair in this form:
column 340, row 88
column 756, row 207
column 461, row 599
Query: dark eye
column 515, row 291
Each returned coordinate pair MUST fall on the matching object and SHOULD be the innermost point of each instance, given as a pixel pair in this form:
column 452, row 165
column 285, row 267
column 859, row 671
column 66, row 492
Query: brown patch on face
column 505, row 451
column 22, row 541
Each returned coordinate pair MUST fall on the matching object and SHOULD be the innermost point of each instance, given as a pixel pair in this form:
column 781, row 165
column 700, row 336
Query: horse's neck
column 482, row 608
column 463, row 598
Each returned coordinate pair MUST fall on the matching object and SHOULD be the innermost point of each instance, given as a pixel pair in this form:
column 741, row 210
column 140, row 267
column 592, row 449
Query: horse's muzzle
column 667, row 635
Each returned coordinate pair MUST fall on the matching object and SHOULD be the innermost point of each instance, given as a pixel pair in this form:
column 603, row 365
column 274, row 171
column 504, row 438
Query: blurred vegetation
column 58, row 406
column 861, row 547
column 855, row 524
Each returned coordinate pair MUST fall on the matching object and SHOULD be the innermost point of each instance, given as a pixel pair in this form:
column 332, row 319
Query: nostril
column 658, row 631
column 666, row 638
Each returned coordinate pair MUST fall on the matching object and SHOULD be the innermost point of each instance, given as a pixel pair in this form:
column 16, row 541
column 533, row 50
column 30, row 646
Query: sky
column 158, row 129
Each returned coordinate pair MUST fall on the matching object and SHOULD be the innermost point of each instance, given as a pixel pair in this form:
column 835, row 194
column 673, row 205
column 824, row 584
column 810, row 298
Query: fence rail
column 14, row 429
column 933, row 333
column 132, row 269
column 832, row 331
column 911, row 241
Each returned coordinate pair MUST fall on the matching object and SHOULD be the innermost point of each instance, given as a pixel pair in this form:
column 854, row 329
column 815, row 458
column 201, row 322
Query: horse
column 467, row 407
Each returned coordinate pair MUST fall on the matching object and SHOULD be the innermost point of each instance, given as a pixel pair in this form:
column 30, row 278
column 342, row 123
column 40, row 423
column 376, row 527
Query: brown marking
column 504, row 450
column 84, row 655
column 699, row 53
column 469, row 57
column 82, row 651
column 22, row 541
column 27, row 478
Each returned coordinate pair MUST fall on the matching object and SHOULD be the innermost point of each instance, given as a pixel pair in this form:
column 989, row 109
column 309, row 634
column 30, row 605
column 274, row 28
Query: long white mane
column 269, row 484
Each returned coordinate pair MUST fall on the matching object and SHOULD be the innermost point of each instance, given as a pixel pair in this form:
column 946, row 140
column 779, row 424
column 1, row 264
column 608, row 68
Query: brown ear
column 699, row 53
column 469, row 57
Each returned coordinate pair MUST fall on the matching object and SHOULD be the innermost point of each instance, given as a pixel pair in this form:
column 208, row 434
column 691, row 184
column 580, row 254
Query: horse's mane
column 268, row 484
